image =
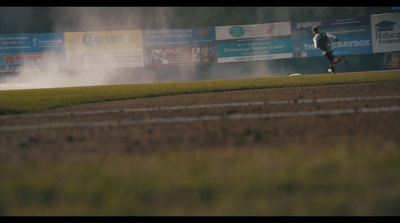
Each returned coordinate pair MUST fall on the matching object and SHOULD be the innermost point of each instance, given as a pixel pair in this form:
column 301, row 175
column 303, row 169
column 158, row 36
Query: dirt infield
column 353, row 114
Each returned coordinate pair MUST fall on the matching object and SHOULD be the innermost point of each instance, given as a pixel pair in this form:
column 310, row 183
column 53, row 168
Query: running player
column 322, row 42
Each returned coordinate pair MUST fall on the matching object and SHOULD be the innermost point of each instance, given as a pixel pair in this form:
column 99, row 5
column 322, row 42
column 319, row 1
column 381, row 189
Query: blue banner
column 253, row 48
column 347, row 45
column 340, row 27
column 22, row 50
column 179, row 37
column 354, row 36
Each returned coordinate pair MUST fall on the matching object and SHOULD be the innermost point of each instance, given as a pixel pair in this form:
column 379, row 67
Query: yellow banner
column 103, row 40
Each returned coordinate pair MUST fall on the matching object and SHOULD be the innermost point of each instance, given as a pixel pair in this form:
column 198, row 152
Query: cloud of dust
column 85, row 19
column 81, row 19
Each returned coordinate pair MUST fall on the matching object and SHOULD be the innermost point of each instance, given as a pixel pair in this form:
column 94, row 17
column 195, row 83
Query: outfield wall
column 369, row 42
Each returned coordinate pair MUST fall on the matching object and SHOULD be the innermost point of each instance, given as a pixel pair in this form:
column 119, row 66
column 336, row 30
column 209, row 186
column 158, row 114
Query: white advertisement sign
column 385, row 29
column 267, row 30
column 85, row 50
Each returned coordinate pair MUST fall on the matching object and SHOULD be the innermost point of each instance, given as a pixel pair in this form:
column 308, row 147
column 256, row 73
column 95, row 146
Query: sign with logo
column 391, row 60
column 385, row 29
column 104, row 49
column 266, row 30
column 179, row 46
column 253, row 42
column 31, row 51
column 354, row 36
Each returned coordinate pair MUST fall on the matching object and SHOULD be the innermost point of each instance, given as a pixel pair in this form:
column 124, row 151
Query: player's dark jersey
column 321, row 41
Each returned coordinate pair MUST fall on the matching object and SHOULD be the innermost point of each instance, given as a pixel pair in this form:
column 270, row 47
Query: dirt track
column 281, row 117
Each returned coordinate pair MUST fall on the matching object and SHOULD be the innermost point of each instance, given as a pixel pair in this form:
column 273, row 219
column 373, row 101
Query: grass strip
column 21, row 101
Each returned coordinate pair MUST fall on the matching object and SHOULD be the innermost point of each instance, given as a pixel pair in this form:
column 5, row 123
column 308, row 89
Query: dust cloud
column 76, row 19
column 79, row 19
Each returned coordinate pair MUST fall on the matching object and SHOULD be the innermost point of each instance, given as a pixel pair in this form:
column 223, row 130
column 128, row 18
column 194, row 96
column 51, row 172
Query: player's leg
column 331, row 58
column 332, row 61
column 332, row 70
column 342, row 58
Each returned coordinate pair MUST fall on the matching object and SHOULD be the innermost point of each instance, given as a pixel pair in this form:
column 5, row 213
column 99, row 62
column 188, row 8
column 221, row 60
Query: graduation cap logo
column 384, row 26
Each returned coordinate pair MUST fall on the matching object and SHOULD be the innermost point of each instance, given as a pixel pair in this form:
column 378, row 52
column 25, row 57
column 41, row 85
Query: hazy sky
column 70, row 19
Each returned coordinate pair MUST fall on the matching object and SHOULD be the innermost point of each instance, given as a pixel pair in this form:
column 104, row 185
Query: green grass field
column 340, row 179
column 19, row 101
column 336, row 180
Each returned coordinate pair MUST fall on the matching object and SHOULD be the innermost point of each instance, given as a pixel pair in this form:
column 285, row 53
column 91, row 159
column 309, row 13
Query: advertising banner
column 104, row 49
column 31, row 51
column 354, row 36
column 179, row 46
column 266, row 30
column 385, row 29
column 253, row 42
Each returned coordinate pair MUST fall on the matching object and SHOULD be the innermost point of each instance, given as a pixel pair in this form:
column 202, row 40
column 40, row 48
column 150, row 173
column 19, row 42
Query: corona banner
column 253, row 42
column 179, row 46
column 31, row 51
column 104, row 49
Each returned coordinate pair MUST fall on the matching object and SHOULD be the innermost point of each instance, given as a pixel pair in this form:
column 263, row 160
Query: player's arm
column 315, row 42
column 330, row 36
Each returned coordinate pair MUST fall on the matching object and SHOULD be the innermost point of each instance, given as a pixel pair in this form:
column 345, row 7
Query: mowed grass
column 20, row 101
column 338, row 179
column 330, row 181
